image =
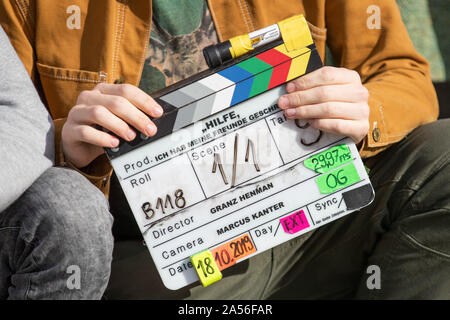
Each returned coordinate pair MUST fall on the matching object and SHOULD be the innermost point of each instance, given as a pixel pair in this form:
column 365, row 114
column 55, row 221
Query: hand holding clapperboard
column 227, row 176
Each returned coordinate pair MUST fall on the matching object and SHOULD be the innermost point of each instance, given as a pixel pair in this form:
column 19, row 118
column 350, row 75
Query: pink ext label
column 294, row 222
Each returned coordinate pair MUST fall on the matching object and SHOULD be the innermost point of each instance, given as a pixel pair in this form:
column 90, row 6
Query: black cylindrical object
column 216, row 55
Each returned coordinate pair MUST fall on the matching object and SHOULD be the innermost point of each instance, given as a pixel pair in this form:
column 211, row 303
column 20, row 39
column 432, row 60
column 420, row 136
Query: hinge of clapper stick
column 214, row 90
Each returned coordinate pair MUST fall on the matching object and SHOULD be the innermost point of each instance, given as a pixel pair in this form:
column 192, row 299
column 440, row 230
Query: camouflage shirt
column 180, row 31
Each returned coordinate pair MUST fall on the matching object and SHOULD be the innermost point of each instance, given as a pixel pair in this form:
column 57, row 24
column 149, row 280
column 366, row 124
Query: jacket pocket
column 61, row 86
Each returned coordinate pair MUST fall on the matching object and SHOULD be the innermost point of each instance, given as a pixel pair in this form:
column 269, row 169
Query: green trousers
column 396, row 248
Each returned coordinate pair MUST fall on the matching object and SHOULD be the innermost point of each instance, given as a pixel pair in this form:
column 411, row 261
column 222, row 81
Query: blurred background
column 428, row 24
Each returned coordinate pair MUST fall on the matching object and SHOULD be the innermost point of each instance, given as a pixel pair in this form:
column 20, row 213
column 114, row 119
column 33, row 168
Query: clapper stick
column 214, row 90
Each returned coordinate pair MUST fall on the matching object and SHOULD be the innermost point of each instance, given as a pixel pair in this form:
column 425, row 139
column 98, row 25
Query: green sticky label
column 329, row 159
column 337, row 179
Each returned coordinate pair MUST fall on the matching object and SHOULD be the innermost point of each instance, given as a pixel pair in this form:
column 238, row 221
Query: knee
column 432, row 141
column 74, row 215
column 427, row 167
column 424, row 153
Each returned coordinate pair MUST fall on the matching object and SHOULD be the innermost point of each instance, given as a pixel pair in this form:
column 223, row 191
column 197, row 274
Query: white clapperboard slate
column 180, row 185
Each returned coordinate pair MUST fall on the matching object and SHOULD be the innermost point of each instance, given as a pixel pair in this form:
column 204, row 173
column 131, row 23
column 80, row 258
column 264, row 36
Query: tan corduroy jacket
column 69, row 46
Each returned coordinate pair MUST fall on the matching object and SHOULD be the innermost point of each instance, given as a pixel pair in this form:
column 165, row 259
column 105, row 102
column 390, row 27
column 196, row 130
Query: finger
column 126, row 111
column 328, row 110
column 136, row 96
column 356, row 130
column 323, row 76
column 92, row 136
column 101, row 116
column 339, row 93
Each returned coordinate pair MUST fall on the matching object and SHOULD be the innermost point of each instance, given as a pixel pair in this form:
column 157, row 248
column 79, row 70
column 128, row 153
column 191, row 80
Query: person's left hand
column 331, row 99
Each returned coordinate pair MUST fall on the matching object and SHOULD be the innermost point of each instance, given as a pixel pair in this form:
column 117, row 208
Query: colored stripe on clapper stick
column 236, row 84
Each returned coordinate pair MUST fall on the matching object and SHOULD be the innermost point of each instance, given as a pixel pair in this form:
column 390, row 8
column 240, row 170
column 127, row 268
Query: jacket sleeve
column 18, row 20
column 370, row 37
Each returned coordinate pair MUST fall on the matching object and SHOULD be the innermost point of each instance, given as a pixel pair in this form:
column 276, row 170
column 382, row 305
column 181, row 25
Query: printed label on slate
column 337, row 179
column 295, row 222
column 227, row 254
column 329, row 159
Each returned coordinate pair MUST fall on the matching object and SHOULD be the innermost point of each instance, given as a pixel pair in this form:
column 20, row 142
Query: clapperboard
column 227, row 176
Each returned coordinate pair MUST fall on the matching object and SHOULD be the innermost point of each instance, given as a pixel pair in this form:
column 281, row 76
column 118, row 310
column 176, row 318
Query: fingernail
column 159, row 111
column 290, row 87
column 290, row 112
column 283, row 102
column 131, row 135
column 114, row 142
column 150, row 130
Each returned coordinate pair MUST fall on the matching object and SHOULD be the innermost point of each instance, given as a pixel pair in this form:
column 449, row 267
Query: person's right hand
column 113, row 107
